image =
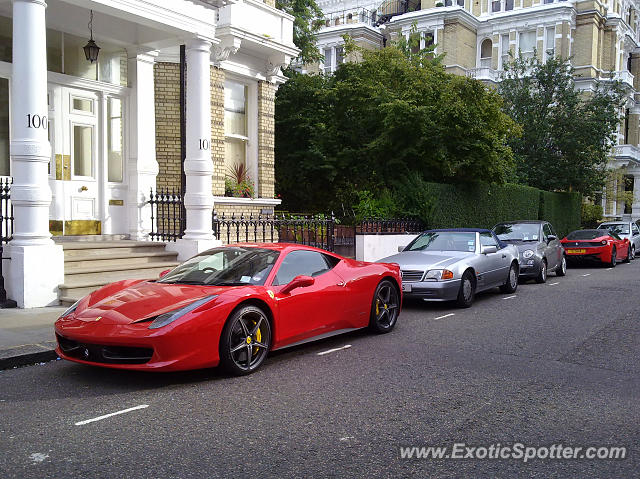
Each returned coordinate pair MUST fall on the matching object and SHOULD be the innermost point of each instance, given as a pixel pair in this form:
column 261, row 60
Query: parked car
column 455, row 264
column 625, row 229
column 230, row 306
column 538, row 245
column 596, row 245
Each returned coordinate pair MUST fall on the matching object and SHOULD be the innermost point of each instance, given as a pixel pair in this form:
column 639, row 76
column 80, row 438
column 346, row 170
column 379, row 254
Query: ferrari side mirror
column 401, row 249
column 301, row 281
column 163, row 273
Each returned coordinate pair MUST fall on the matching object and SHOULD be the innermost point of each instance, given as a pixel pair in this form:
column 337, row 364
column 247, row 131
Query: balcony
column 626, row 153
column 625, row 77
column 484, row 74
column 358, row 16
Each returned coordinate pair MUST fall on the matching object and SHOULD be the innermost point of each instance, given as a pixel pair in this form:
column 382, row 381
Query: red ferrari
column 599, row 245
column 229, row 306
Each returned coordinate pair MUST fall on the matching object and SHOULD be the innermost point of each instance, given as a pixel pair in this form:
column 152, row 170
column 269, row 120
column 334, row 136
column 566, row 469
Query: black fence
column 167, row 215
column 396, row 225
column 6, row 233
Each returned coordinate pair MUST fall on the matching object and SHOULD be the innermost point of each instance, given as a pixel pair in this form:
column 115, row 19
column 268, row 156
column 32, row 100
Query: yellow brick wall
column 167, row 103
column 459, row 44
column 217, row 130
column 266, row 132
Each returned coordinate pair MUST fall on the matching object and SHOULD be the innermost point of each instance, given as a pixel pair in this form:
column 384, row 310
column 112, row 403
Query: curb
column 28, row 359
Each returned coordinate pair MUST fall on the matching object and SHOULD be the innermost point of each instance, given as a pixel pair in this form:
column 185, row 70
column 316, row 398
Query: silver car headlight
column 528, row 253
column 438, row 275
column 170, row 316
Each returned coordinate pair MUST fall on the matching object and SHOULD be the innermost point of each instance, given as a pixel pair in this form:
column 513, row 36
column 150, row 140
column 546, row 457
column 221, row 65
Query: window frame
column 329, row 265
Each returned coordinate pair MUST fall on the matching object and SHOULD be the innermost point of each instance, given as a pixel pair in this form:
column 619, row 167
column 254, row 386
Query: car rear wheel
column 614, row 257
column 467, row 290
column 245, row 340
column 385, row 307
column 512, row 280
column 542, row 274
column 561, row 270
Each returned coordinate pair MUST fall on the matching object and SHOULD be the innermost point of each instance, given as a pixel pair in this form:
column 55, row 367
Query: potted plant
column 237, row 182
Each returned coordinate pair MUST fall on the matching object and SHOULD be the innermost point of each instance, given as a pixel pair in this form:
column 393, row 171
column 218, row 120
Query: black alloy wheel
column 245, row 340
column 385, row 307
column 614, row 258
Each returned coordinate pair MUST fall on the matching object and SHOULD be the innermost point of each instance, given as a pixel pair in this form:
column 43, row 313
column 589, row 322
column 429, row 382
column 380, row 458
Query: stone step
column 78, row 285
column 95, row 269
column 94, row 238
column 115, row 258
column 122, row 251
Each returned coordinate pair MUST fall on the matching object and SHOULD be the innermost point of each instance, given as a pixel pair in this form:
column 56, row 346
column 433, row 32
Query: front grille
column 98, row 353
column 409, row 276
column 582, row 244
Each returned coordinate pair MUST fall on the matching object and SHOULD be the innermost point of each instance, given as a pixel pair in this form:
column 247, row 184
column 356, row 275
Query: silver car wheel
column 563, row 265
column 633, row 252
column 467, row 289
column 513, row 277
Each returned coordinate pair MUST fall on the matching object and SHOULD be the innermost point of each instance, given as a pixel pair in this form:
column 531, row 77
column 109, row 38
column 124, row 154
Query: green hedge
column 483, row 205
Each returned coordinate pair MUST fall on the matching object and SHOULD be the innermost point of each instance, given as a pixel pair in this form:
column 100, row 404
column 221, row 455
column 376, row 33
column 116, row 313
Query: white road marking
column 553, row 284
column 38, row 457
column 346, row 346
column 346, row 438
column 588, row 274
column 99, row 418
column 445, row 316
column 608, row 269
column 510, row 297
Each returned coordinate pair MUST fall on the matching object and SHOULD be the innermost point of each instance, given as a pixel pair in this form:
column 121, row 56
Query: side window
column 635, row 229
column 487, row 239
column 546, row 229
column 296, row 263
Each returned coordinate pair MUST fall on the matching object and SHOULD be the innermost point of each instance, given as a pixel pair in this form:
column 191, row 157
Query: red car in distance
column 230, row 306
column 597, row 245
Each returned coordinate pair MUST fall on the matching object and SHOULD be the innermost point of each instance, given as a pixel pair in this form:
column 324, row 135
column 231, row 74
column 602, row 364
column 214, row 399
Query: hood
column 144, row 300
column 422, row 260
column 524, row 245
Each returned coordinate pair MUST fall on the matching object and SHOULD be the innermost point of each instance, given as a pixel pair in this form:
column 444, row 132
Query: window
column 460, row 3
column 634, row 229
column 235, row 124
column 487, row 239
column 339, row 55
column 81, row 105
column 508, row 5
column 4, row 127
column 546, row 231
column 550, row 42
column 82, row 150
column 495, row 6
column 504, row 49
column 485, row 53
column 328, row 59
column 114, row 139
column 527, row 43
column 308, row 263
column 428, row 39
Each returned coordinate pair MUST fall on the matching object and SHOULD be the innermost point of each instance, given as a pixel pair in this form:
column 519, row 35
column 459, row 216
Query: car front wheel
column 628, row 258
column 245, row 340
column 614, row 257
column 467, row 290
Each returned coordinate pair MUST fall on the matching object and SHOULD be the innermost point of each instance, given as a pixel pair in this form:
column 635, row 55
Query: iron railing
column 6, row 233
column 167, row 215
column 395, row 225
column 315, row 231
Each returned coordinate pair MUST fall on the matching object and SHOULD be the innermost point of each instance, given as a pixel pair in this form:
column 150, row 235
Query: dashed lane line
column 99, row 418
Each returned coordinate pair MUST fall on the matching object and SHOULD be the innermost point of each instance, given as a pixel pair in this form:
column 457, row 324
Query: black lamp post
column 91, row 50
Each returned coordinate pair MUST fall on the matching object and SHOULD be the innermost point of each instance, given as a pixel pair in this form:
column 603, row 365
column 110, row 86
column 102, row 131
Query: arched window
column 337, row 21
column 486, row 50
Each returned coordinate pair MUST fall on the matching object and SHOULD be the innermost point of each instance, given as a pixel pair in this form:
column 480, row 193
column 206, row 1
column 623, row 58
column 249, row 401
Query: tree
column 375, row 123
column 307, row 21
column 567, row 135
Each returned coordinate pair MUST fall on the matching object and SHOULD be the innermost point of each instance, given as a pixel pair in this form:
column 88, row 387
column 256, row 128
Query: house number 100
column 36, row 121
column 204, row 144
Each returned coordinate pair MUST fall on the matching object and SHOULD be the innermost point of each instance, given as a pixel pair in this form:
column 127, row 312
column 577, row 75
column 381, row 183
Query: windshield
column 518, row 231
column 586, row 235
column 231, row 266
column 444, row 241
column 619, row 228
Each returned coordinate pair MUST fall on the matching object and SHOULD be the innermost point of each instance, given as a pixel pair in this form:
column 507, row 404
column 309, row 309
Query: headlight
column 603, row 241
column 438, row 274
column 71, row 309
column 170, row 316
column 528, row 253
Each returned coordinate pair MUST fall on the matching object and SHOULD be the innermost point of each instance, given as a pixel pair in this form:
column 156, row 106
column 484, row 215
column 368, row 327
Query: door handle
column 341, row 283
column 504, row 255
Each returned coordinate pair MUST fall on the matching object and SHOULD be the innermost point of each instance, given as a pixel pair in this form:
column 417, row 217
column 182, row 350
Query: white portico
column 83, row 136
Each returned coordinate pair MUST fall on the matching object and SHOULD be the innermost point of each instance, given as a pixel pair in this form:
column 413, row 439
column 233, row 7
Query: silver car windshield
column 444, row 241
column 518, row 232
column 619, row 228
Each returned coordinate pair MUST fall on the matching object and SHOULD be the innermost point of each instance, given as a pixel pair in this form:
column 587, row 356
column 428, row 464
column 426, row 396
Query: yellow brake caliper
column 258, row 339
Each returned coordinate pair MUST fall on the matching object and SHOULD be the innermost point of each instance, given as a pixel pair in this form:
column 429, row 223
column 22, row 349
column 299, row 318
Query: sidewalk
column 26, row 335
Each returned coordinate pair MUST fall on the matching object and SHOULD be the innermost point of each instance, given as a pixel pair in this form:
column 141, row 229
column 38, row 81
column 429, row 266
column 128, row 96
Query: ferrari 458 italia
column 600, row 245
column 229, row 306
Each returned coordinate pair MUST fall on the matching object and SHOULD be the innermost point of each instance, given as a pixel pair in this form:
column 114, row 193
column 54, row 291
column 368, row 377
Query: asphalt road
column 557, row 363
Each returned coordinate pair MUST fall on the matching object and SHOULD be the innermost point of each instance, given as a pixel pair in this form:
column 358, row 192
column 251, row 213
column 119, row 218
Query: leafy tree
column 307, row 21
column 375, row 123
column 566, row 134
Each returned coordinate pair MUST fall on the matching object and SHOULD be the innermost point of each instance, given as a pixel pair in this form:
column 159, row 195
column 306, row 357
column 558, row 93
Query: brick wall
column 167, row 97
column 217, row 130
column 266, row 131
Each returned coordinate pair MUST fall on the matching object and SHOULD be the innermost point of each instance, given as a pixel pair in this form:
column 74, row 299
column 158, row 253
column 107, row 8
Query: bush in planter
column 238, row 183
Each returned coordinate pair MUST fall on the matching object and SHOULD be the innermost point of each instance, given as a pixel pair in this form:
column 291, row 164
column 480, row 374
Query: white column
column 36, row 267
column 635, row 206
column 142, row 167
column 198, row 164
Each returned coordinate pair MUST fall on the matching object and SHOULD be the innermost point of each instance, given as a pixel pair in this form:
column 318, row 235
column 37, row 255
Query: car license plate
column 406, row 287
column 576, row 251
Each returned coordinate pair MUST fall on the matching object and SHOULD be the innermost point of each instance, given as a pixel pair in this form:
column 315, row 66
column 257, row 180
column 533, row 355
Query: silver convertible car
column 455, row 264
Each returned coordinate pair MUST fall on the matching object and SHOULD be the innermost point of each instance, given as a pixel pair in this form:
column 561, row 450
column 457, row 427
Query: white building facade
column 79, row 138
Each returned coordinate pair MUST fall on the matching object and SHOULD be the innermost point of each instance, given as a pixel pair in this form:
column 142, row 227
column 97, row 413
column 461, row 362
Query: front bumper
column 432, row 290
column 135, row 347
column 530, row 268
